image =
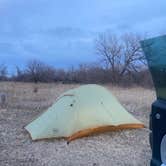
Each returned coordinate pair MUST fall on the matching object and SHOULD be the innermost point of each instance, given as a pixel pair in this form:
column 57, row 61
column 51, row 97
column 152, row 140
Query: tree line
column 121, row 61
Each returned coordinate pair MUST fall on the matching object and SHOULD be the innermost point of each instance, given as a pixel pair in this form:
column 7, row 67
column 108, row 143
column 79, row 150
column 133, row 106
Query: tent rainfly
column 80, row 112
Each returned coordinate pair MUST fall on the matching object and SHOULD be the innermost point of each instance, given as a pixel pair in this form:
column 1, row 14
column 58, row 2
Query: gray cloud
column 63, row 31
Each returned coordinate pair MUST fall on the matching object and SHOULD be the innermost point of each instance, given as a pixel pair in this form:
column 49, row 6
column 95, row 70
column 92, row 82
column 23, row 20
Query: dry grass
column 124, row 148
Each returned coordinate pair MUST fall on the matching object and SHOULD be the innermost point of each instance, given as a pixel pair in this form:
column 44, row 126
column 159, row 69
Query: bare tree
column 39, row 72
column 133, row 56
column 120, row 54
column 110, row 49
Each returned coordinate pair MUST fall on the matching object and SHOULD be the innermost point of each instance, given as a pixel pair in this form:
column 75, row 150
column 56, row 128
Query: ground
column 26, row 101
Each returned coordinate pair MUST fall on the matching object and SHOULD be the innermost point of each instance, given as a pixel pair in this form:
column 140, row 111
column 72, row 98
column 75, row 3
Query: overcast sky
column 62, row 32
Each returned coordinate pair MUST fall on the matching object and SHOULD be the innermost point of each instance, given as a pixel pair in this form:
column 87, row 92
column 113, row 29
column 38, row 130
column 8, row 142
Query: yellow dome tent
column 80, row 112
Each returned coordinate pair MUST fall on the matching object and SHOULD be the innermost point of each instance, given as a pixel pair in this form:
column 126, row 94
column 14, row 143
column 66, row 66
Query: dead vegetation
column 123, row 148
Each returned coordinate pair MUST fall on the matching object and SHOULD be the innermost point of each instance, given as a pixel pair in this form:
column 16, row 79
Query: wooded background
column 120, row 62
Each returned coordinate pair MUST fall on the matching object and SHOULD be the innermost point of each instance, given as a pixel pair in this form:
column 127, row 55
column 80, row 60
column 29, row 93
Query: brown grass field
column 121, row 148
